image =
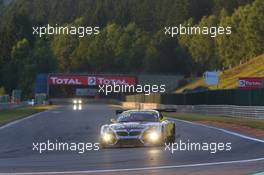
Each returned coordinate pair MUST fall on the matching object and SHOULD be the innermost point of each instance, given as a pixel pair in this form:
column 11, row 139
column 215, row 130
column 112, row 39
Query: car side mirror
column 113, row 120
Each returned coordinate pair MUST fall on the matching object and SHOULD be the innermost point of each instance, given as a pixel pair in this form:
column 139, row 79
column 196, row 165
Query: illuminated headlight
column 153, row 136
column 107, row 137
column 75, row 107
column 79, row 101
column 75, row 101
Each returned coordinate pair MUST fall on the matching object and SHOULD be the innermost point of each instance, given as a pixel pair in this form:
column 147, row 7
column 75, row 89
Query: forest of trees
column 131, row 38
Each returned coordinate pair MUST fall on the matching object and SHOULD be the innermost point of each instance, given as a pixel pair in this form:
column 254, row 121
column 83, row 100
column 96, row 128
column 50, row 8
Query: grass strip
column 9, row 115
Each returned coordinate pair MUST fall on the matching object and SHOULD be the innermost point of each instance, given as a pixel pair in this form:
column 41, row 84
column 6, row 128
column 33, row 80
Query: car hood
column 133, row 125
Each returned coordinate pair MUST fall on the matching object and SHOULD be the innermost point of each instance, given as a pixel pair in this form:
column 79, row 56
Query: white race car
column 138, row 128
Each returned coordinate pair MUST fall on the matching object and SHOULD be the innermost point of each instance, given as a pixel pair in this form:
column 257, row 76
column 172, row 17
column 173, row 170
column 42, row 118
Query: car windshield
column 137, row 117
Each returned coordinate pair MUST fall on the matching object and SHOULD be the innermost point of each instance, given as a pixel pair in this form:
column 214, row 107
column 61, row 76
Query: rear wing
column 119, row 111
column 166, row 110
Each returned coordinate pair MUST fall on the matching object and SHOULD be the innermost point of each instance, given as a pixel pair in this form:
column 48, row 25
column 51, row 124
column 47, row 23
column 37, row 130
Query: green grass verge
column 252, row 123
column 9, row 115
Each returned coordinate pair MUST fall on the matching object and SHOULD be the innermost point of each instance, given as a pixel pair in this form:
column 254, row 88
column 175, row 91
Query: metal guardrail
column 219, row 110
column 12, row 105
column 225, row 110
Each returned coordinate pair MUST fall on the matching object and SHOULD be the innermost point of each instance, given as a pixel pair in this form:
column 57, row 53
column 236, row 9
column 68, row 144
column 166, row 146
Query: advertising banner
column 91, row 80
column 211, row 78
column 250, row 82
column 111, row 80
column 67, row 80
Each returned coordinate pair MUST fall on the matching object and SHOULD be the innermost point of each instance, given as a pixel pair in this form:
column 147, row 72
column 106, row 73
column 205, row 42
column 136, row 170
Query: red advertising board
column 111, row 80
column 67, row 80
column 250, row 82
column 93, row 80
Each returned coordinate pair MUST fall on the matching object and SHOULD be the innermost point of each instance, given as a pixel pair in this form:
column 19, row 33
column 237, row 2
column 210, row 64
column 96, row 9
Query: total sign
column 67, row 80
column 250, row 82
column 91, row 80
column 111, row 80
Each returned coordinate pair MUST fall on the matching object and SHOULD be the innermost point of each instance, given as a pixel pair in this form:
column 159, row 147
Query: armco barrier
column 236, row 97
column 4, row 99
column 225, row 110
column 12, row 105
column 219, row 110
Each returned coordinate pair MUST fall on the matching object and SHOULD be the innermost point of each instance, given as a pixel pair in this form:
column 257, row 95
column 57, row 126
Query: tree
column 131, row 47
column 228, row 6
column 130, row 37
column 1, row 6
column 63, row 47
column 42, row 57
column 246, row 40
column 164, row 54
column 13, row 69
column 202, row 47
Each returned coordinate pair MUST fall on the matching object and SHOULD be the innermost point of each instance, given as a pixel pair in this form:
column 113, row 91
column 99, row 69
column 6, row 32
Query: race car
column 137, row 128
column 77, row 104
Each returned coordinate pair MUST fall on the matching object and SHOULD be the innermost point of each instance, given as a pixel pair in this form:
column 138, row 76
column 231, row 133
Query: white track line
column 223, row 130
column 139, row 169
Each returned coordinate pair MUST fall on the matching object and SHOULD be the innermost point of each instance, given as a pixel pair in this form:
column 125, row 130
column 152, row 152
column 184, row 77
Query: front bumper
column 131, row 141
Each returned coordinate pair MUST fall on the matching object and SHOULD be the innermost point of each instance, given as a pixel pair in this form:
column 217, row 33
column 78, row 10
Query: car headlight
column 75, row 101
column 107, row 137
column 153, row 136
column 80, row 101
column 74, row 107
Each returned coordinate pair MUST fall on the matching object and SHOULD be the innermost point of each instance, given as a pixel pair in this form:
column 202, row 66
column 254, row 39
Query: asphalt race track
column 66, row 125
